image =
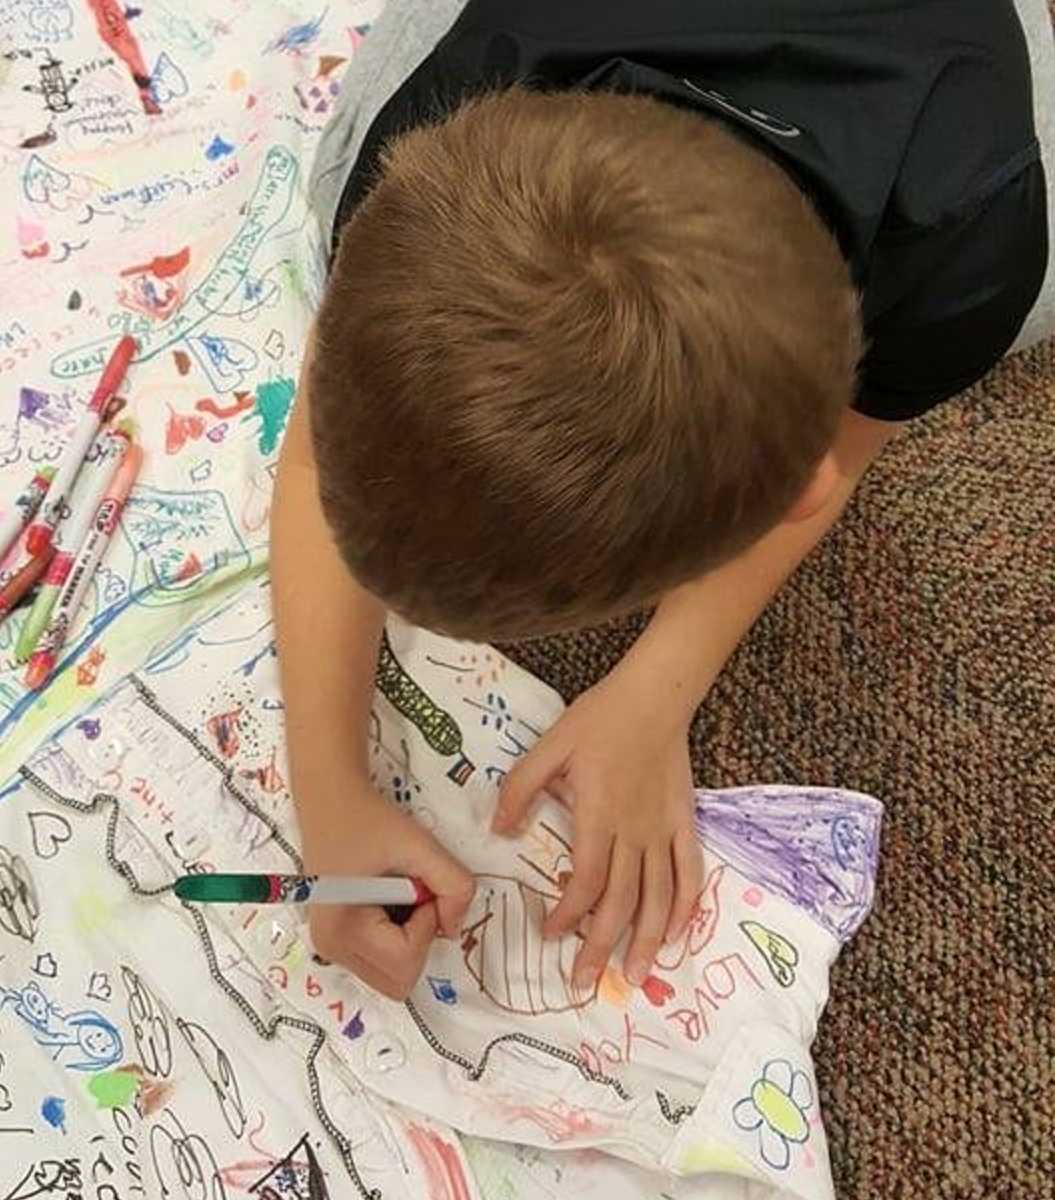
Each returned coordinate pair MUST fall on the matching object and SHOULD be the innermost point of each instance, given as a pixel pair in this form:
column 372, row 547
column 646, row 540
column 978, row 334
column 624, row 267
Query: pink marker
column 26, row 504
column 41, row 532
column 88, row 556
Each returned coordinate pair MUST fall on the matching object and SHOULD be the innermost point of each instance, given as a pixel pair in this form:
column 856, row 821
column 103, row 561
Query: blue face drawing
column 31, row 1005
column 95, row 1043
column 98, row 1041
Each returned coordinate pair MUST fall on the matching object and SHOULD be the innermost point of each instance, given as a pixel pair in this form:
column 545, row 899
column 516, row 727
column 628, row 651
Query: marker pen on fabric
column 70, row 536
column 24, row 509
column 43, row 659
column 383, row 890
column 24, row 580
column 54, row 507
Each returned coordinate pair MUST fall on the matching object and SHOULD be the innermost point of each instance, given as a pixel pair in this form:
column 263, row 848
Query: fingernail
column 635, row 975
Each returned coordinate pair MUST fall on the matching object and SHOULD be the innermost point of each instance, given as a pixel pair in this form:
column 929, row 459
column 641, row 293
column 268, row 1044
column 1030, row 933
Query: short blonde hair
column 575, row 350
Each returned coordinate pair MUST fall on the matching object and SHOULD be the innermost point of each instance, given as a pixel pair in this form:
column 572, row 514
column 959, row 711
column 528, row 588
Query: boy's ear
column 817, row 492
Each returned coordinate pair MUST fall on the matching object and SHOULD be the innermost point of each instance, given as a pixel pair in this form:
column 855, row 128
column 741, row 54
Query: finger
column 355, row 942
column 390, row 957
column 591, row 852
column 687, row 856
column 613, row 915
column 448, row 880
column 523, row 784
column 653, row 914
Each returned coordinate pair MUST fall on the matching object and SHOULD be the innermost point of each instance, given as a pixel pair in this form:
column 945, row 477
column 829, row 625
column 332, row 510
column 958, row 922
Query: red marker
column 41, row 531
column 23, row 580
column 88, row 556
column 113, row 28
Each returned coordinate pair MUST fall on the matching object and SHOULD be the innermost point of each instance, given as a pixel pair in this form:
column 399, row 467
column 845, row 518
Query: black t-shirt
column 909, row 123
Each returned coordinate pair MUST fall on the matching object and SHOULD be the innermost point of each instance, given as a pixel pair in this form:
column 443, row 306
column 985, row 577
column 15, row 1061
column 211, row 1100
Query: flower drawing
column 777, row 1108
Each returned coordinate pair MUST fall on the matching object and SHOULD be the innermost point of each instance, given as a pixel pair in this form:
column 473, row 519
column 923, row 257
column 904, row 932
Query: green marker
column 384, row 890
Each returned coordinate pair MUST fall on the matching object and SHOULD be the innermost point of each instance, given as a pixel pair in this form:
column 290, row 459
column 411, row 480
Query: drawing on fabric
column 296, row 1176
column 51, row 831
column 150, row 1027
column 703, row 922
column 183, row 1161
column 167, row 81
column 779, row 955
column 266, row 208
column 217, row 1069
column 436, row 725
column 49, row 1176
column 776, row 1110
column 503, row 949
column 155, row 289
column 19, row 903
column 46, row 966
column 79, row 1041
column 816, row 848
column 177, row 539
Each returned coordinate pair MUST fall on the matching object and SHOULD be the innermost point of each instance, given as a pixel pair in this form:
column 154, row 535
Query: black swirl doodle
column 217, row 1069
column 19, row 905
column 150, row 1026
column 183, row 1163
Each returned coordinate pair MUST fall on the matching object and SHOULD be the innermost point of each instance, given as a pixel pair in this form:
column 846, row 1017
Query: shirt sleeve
column 956, row 298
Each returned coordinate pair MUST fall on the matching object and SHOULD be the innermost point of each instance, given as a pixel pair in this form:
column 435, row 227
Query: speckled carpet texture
column 913, row 657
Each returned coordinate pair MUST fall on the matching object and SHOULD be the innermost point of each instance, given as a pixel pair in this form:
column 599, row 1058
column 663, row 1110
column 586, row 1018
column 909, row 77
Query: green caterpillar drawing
column 436, row 725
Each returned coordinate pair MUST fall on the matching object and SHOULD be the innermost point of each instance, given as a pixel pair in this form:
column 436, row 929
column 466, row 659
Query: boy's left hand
column 625, row 772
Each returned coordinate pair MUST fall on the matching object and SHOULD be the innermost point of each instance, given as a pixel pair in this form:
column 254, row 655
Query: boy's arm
column 697, row 627
column 620, row 750
column 327, row 631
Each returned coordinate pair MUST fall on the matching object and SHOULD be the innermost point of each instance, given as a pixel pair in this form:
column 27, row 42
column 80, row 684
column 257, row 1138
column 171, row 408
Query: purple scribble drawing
column 816, row 847
column 45, row 409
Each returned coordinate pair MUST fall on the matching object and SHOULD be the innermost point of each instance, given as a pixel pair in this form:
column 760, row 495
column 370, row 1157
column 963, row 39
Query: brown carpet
column 913, row 657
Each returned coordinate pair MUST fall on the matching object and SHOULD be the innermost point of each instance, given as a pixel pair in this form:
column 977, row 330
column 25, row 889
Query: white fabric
column 705, row 1073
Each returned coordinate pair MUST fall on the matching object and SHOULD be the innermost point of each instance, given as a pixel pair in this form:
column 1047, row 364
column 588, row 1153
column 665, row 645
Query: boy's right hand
column 373, row 837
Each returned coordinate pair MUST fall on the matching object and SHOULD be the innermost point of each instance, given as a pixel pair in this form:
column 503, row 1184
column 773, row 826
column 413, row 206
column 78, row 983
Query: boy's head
column 575, row 350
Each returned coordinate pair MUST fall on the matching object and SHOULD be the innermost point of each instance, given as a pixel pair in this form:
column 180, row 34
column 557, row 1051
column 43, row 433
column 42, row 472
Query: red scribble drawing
column 164, row 266
column 608, row 1053
column 269, row 777
column 113, row 29
column 717, row 984
column 88, row 671
column 442, row 1164
column 559, row 1121
column 190, row 567
column 702, row 925
column 504, row 951
column 552, row 855
column 223, row 728
column 156, row 289
column 242, row 401
column 32, row 240
column 657, row 991
column 182, row 428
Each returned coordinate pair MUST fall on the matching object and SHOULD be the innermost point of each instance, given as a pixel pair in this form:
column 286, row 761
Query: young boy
column 624, row 301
